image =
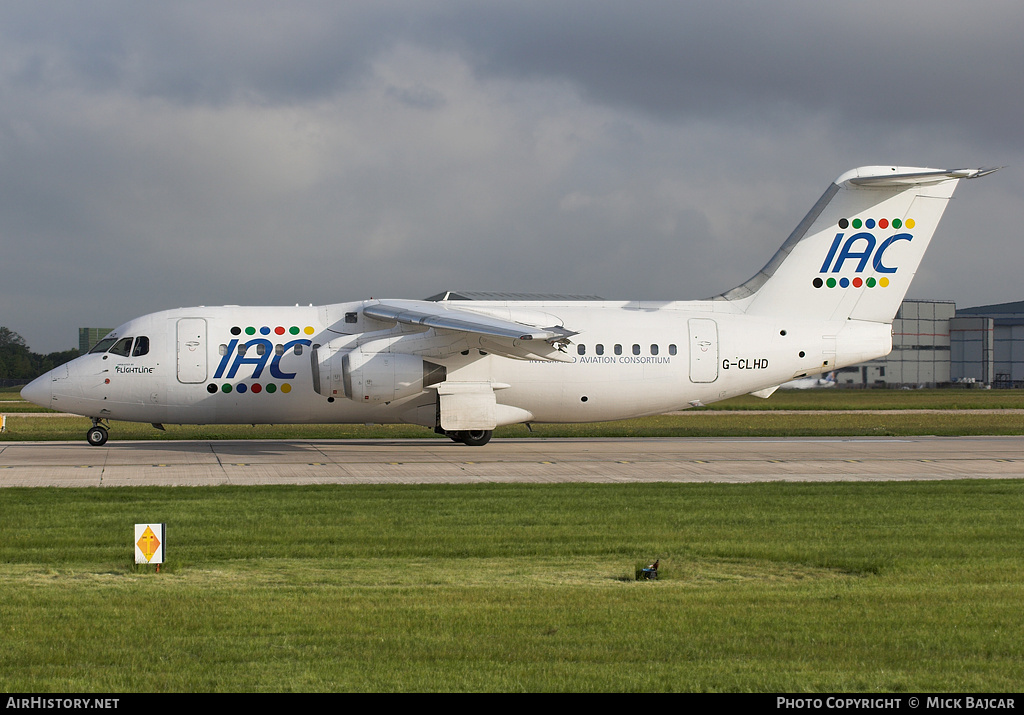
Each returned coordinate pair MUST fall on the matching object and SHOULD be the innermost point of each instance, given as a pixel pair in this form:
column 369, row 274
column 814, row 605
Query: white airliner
column 825, row 300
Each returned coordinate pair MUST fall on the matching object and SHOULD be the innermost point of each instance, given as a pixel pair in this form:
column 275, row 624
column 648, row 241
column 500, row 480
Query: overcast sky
column 157, row 155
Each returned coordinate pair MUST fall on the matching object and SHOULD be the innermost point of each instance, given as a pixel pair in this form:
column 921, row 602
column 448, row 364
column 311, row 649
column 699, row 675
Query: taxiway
column 210, row 462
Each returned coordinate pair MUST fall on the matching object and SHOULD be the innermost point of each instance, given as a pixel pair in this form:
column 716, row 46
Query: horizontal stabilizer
column 866, row 177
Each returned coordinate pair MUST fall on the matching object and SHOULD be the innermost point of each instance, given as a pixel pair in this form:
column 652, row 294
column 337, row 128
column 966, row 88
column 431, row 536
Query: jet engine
column 370, row 375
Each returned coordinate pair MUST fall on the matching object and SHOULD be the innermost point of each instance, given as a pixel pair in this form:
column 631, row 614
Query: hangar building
column 992, row 337
column 935, row 344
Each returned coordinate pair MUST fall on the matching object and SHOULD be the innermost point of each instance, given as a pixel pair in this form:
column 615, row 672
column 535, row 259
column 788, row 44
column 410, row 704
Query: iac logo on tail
column 854, row 253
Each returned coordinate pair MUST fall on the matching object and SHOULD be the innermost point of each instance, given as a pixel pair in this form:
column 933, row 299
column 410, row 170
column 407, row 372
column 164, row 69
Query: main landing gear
column 472, row 437
column 97, row 434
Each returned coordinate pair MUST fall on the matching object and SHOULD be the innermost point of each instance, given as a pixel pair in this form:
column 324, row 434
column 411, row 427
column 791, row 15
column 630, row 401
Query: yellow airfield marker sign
column 149, row 543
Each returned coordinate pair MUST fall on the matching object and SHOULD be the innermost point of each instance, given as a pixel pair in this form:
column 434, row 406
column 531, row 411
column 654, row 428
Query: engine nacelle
column 381, row 377
column 370, row 375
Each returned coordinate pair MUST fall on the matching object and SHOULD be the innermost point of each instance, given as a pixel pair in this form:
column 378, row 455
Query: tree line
column 17, row 362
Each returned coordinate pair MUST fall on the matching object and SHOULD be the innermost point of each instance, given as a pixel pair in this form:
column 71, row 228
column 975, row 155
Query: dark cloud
column 873, row 62
column 158, row 155
column 194, row 52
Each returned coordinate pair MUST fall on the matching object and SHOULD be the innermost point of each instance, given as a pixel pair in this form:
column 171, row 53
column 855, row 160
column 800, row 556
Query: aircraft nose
column 39, row 391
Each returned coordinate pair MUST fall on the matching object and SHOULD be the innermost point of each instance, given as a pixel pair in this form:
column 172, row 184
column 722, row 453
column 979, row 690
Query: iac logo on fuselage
column 860, row 251
column 264, row 350
column 246, row 358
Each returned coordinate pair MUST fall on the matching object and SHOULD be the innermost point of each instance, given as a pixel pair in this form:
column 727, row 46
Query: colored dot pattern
column 253, row 388
column 869, row 223
column 277, row 330
column 858, row 282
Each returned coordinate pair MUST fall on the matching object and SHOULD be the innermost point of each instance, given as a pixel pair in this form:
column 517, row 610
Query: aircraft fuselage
column 256, row 364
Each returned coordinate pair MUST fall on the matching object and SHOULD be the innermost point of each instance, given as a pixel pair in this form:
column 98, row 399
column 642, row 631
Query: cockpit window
column 123, row 347
column 103, row 345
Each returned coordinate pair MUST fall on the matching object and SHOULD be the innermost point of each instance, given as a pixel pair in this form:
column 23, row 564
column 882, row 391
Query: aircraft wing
column 503, row 337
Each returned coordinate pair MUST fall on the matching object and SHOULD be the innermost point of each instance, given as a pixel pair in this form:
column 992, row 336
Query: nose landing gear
column 97, row 434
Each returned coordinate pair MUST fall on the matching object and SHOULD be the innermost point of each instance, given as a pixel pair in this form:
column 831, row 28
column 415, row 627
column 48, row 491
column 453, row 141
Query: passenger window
column 636, row 349
column 122, row 347
column 351, row 317
column 242, row 347
column 222, row 349
column 581, row 349
column 654, row 349
column 261, row 349
column 298, row 349
column 599, row 349
column 141, row 346
column 672, row 349
column 279, row 349
column 618, row 349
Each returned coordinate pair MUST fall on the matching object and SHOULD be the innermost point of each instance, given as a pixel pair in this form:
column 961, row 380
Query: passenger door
column 191, row 350
column 703, row 350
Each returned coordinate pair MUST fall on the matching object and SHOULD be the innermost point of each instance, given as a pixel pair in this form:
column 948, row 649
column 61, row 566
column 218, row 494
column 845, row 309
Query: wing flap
column 504, row 337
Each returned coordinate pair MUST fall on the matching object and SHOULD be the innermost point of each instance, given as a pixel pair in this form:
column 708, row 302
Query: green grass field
column 774, row 587
column 969, row 414
column 831, row 399
column 879, row 399
column 843, row 587
column 735, row 424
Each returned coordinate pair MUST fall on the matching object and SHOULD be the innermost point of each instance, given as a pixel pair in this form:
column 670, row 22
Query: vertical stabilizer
column 856, row 252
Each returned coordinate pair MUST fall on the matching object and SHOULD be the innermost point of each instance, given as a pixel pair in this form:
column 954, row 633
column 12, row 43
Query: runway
column 427, row 461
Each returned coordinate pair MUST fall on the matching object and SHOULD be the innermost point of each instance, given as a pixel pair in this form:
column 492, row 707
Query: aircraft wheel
column 476, row 437
column 96, row 436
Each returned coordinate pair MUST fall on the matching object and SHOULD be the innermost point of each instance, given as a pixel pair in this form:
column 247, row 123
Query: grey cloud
column 153, row 156
column 876, row 62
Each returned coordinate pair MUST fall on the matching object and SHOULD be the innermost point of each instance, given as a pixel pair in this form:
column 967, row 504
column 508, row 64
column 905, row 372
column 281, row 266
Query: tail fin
column 854, row 255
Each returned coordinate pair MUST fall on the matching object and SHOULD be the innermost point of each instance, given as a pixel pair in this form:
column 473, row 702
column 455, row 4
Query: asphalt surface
column 418, row 461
